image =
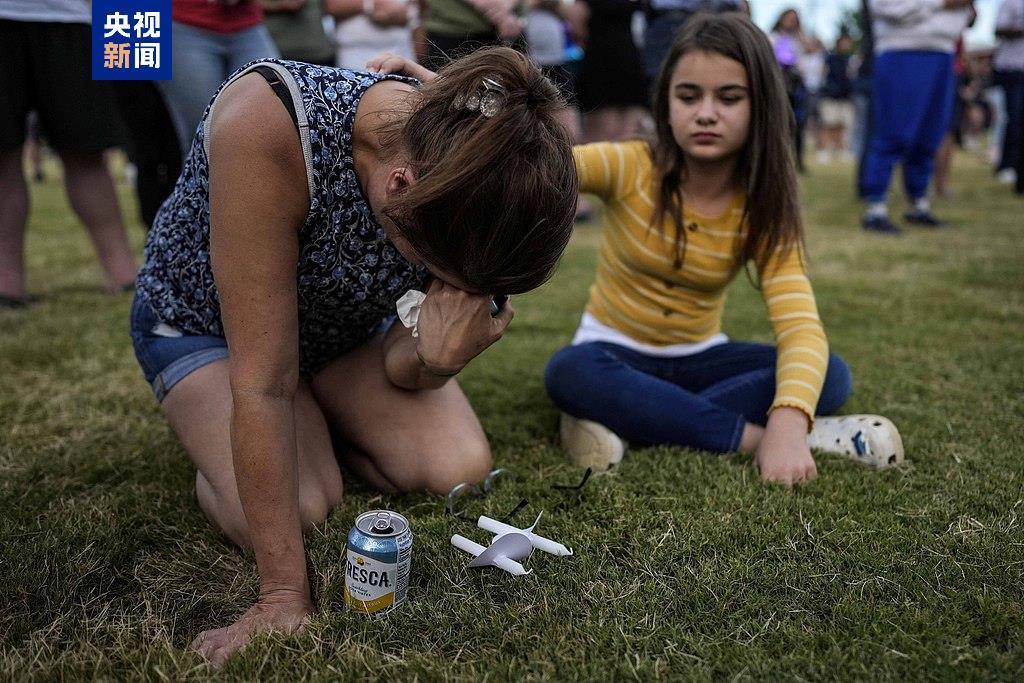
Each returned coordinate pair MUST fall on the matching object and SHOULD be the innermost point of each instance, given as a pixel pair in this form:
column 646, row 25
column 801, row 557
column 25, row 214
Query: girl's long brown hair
column 765, row 168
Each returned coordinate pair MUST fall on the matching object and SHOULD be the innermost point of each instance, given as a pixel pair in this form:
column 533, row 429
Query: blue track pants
column 913, row 103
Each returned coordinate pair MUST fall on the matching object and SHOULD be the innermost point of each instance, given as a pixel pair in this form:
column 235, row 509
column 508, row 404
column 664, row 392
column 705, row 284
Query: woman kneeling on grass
column 684, row 214
column 311, row 200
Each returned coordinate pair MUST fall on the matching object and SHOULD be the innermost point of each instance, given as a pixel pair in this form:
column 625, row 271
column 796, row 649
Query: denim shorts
column 167, row 355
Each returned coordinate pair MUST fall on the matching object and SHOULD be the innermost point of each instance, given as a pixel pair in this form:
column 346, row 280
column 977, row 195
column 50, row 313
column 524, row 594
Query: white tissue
column 408, row 308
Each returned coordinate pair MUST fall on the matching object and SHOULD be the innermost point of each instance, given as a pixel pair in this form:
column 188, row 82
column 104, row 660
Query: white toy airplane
column 509, row 546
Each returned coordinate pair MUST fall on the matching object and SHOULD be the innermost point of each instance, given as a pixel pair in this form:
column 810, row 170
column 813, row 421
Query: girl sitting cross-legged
column 684, row 214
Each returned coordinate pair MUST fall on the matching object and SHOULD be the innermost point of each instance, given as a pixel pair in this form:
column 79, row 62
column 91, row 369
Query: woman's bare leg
column 402, row 440
column 199, row 410
column 602, row 125
column 91, row 193
column 14, row 201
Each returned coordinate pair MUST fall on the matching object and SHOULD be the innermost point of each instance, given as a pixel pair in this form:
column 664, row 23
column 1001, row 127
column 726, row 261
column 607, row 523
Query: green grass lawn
column 687, row 566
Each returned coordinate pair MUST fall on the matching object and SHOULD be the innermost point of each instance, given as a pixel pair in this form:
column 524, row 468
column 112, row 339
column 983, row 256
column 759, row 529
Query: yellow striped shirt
column 638, row 291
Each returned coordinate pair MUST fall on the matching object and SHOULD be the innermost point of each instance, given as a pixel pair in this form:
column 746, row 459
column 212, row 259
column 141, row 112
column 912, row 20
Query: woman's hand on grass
column 456, row 326
column 390, row 63
column 284, row 611
column 783, row 455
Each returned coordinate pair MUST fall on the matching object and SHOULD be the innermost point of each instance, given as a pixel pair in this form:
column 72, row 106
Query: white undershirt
column 591, row 330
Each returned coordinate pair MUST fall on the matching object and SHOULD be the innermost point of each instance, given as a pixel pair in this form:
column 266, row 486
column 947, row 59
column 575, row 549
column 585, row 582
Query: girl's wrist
column 789, row 416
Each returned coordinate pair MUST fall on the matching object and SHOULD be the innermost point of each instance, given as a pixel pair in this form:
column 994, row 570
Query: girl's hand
column 390, row 63
column 783, row 455
column 456, row 326
column 284, row 611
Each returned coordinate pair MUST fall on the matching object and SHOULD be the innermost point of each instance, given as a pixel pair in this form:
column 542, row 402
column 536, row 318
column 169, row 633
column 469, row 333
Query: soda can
column 379, row 553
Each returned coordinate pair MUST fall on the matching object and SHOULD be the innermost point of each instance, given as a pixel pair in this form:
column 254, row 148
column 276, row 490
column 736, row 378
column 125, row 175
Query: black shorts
column 47, row 67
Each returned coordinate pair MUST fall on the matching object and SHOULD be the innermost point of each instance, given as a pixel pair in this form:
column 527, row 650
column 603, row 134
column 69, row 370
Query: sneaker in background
column 881, row 225
column 923, row 218
column 1007, row 176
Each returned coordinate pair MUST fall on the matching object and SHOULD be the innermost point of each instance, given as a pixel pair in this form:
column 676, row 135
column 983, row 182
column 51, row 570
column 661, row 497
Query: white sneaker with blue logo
column 870, row 439
column 589, row 444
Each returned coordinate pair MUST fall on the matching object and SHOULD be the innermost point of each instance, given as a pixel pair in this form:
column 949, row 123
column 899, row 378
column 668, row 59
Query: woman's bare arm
column 258, row 201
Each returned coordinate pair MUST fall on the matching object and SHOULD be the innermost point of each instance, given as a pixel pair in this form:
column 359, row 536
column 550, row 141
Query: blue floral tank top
column 349, row 274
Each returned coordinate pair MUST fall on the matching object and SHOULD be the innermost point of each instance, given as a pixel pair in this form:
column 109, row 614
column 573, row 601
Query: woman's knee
column 317, row 497
column 469, row 462
column 838, row 386
column 313, row 507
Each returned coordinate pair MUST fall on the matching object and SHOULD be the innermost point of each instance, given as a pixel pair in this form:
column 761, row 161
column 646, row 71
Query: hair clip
column 486, row 99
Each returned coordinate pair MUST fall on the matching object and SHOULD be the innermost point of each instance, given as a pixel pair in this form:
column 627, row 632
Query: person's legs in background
column 92, row 195
column 897, row 113
column 944, row 167
column 203, row 60
column 829, row 131
column 200, row 59
column 602, row 124
column 248, row 45
column 1019, row 185
column 1012, row 86
column 860, row 132
column 81, row 121
column 801, row 115
column 996, row 99
column 34, row 147
column 943, row 159
column 15, row 103
column 612, row 123
column 936, row 88
column 564, row 78
column 13, row 218
column 153, row 145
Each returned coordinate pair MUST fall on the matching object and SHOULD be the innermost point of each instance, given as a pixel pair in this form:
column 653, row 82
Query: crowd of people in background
column 264, row 317
column 603, row 54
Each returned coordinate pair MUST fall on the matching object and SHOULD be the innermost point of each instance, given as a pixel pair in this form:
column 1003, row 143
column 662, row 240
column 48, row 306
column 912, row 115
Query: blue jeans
column 913, row 95
column 202, row 61
column 1012, row 83
column 701, row 401
column 167, row 357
